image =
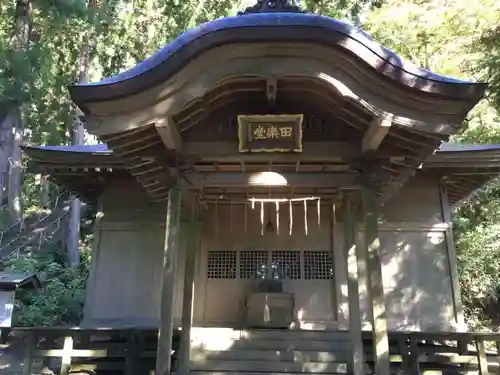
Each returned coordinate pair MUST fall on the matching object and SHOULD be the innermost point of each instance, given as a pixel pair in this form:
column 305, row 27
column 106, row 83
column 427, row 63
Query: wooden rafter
column 220, row 96
column 251, row 89
column 144, row 153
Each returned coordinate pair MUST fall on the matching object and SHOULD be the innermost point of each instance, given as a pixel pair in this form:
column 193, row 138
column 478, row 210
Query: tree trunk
column 45, row 191
column 16, row 169
column 78, row 138
column 6, row 126
column 22, row 27
column 73, row 233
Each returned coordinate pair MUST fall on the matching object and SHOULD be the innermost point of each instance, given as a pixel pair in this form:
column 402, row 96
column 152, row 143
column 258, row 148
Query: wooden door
column 231, row 275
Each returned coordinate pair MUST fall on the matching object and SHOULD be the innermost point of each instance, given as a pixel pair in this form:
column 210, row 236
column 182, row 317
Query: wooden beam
column 378, row 315
column 269, row 179
column 312, row 151
column 165, row 332
column 169, row 134
column 377, row 130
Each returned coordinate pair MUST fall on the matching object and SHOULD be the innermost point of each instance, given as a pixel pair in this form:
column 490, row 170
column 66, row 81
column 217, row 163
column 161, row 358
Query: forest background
column 46, row 45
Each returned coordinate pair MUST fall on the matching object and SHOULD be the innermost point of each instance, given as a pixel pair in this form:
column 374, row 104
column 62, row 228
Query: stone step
column 296, row 334
column 275, row 334
column 247, row 373
column 271, row 344
column 269, row 366
column 198, row 355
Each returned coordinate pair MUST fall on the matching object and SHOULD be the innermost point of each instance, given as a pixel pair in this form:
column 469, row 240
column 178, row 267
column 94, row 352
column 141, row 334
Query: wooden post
column 133, row 348
column 452, row 260
column 31, row 341
column 187, row 296
column 353, row 290
column 405, row 350
column 414, row 364
column 66, row 355
column 165, row 331
column 378, row 315
column 481, row 356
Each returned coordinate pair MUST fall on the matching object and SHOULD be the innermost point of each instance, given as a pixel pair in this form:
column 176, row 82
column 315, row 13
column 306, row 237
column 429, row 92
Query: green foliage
column 477, row 235
column 349, row 10
column 61, row 299
column 488, row 67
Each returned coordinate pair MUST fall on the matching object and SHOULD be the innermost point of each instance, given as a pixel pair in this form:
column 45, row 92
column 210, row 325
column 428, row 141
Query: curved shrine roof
column 270, row 39
column 272, row 27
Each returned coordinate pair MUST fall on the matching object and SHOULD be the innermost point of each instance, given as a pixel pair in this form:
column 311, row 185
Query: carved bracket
column 369, row 169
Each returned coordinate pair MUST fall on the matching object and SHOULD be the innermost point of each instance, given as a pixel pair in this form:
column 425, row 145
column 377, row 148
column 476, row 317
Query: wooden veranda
column 133, row 351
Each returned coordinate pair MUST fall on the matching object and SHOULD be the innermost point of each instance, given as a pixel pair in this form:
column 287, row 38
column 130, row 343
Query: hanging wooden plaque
column 270, row 133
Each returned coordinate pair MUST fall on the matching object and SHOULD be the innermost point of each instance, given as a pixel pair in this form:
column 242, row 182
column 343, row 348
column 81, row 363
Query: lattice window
column 285, row 265
column 253, row 264
column 318, row 264
column 221, row 264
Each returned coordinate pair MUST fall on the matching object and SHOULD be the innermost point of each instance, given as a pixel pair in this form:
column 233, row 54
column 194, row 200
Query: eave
column 463, row 168
column 13, row 281
column 83, row 170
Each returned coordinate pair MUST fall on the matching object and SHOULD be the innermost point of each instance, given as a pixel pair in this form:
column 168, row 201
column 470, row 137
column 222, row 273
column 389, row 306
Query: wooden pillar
column 353, row 290
column 193, row 245
column 165, row 331
column 378, row 316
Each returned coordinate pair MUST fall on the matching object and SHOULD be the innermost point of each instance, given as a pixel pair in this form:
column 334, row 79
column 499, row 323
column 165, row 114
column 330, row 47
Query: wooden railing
column 441, row 353
column 133, row 351
column 126, row 351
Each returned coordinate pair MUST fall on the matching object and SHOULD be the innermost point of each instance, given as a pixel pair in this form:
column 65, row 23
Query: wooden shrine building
column 276, row 182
